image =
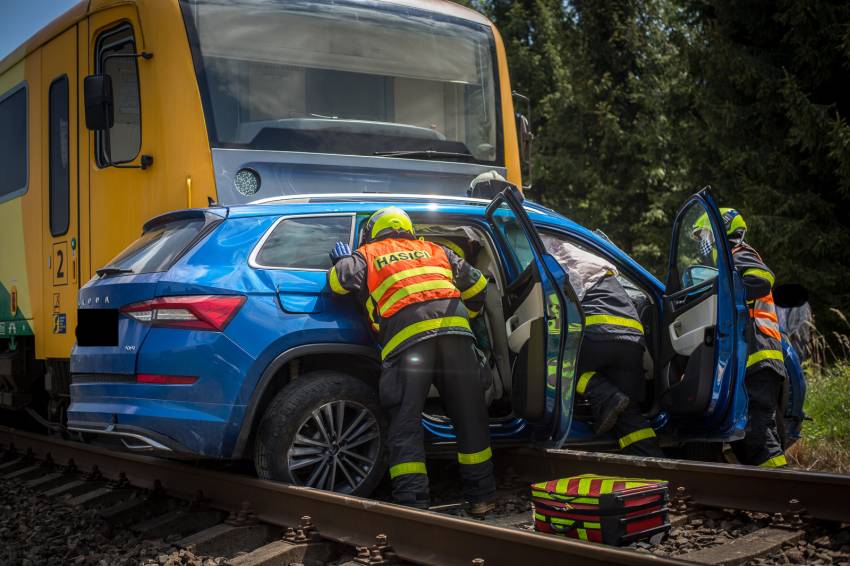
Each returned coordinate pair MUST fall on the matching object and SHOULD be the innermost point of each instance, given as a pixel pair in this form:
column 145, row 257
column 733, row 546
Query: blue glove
column 341, row 250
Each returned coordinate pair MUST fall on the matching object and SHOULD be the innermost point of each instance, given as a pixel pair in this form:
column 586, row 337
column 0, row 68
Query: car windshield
column 156, row 248
column 357, row 78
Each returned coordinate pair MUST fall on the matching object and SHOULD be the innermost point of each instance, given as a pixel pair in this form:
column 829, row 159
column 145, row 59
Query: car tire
column 323, row 430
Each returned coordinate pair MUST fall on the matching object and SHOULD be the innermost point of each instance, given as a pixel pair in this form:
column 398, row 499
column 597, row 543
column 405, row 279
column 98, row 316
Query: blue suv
column 215, row 335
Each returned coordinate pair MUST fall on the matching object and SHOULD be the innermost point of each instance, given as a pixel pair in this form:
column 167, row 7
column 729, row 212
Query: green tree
column 773, row 137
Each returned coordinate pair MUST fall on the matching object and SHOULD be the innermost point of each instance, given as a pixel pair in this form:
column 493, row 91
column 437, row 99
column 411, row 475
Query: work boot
column 607, row 410
column 481, row 508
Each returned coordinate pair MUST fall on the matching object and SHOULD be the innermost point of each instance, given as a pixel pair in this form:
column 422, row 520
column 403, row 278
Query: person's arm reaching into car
column 470, row 282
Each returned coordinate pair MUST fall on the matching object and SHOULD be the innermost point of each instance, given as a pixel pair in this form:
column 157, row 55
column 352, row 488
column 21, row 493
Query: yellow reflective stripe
column 542, row 494
column 405, row 292
column 761, row 274
column 607, row 486
column 775, row 462
column 378, row 293
column 336, row 286
column 636, row 436
column 452, row 246
column 613, row 320
column 475, row 457
column 582, row 381
column 476, row 288
column 561, row 485
column 765, row 355
column 582, row 534
column 473, row 314
column 423, row 326
column 408, row 468
column 370, row 310
column 584, row 485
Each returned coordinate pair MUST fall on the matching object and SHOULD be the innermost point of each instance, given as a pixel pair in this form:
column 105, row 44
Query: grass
column 825, row 444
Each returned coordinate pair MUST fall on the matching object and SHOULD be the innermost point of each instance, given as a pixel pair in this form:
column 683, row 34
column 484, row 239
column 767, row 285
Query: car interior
column 503, row 350
column 678, row 365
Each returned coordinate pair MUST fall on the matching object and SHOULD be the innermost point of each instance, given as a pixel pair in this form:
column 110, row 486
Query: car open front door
column 542, row 323
column 702, row 332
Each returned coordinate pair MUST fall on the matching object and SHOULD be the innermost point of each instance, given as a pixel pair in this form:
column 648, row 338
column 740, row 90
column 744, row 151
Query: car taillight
column 197, row 312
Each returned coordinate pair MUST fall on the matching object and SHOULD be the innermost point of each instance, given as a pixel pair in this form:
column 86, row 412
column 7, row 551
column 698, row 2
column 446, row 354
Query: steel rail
column 416, row 536
column 820, row 495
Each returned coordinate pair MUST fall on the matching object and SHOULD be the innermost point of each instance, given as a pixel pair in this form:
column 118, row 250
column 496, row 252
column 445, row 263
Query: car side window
column 303, row 242
column 696, row 250
column 519, row 251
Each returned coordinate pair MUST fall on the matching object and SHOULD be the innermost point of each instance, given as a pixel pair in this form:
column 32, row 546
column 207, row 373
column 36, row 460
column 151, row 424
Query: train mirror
column 100, row 113
column 526, row 137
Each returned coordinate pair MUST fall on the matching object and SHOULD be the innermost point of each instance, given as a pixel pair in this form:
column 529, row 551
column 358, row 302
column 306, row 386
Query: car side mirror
column 697, row 274
column 100, row 109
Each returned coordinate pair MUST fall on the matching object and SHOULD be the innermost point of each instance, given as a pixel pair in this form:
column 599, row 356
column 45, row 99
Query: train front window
column 347, row 78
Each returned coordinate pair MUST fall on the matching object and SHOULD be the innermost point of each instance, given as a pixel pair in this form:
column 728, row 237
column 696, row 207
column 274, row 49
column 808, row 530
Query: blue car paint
column 288, row 308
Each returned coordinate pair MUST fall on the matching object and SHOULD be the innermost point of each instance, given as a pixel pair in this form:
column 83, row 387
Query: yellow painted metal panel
column 509, row 122
column 60, row 253
column 173, row 132
column 15, row 288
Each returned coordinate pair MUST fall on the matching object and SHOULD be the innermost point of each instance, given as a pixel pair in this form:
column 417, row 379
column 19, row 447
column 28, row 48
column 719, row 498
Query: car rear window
column 158, row 246
column 304, row 242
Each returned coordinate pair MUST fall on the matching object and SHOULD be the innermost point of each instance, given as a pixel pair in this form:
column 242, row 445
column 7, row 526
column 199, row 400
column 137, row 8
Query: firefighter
column 419, row 297
column 761, row 446
column 610, row 364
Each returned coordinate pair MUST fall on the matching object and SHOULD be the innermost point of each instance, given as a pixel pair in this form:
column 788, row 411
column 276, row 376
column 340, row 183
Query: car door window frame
column 252, row 259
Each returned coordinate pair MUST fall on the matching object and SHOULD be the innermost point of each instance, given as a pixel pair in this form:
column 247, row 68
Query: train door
column 119, row 189
column 60, row 193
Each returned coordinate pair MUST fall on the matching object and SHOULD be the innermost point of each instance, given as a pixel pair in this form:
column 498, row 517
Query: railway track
column 305, row 526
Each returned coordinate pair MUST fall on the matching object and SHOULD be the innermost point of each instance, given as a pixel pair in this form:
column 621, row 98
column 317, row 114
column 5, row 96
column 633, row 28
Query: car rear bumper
column 164, row 426
column 133, row 438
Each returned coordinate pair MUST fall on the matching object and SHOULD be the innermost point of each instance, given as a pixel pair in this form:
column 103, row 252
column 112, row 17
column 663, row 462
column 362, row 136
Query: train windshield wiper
column 104, row 271
column 425, row 154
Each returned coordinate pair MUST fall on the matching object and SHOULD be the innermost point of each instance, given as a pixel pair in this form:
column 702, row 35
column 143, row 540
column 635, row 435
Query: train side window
column 13, row 143
column 125, row 136
column 59, row 171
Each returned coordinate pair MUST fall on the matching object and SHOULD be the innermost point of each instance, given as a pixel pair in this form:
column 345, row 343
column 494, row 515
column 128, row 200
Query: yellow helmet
column 733, row 222
column 389, row 222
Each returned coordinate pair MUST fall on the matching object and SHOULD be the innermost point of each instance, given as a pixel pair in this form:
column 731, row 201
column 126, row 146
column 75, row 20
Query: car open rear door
column 704, row 315
column 542, row 322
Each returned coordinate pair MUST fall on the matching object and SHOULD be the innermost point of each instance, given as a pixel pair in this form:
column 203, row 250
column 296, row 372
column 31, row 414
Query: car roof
column 365, row 203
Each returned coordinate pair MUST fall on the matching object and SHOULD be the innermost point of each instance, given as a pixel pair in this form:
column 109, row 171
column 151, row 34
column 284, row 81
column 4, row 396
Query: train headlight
column 247, row 182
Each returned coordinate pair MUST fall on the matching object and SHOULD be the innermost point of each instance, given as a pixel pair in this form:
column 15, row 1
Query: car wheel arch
column 279, row 372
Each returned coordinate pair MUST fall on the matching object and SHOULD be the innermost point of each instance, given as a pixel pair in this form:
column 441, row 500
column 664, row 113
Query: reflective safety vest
column 610, row 314
column 764, row 340
column 404, row 272
column 766, row 343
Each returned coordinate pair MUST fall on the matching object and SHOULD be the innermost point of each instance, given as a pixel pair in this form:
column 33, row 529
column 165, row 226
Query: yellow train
column 120, row 110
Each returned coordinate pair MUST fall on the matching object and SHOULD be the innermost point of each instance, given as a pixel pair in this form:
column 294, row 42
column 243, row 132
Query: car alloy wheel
column 335, row 447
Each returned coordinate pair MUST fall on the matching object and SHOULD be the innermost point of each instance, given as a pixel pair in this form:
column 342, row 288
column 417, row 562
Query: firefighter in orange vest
column 419, row 297
column 761, row 446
